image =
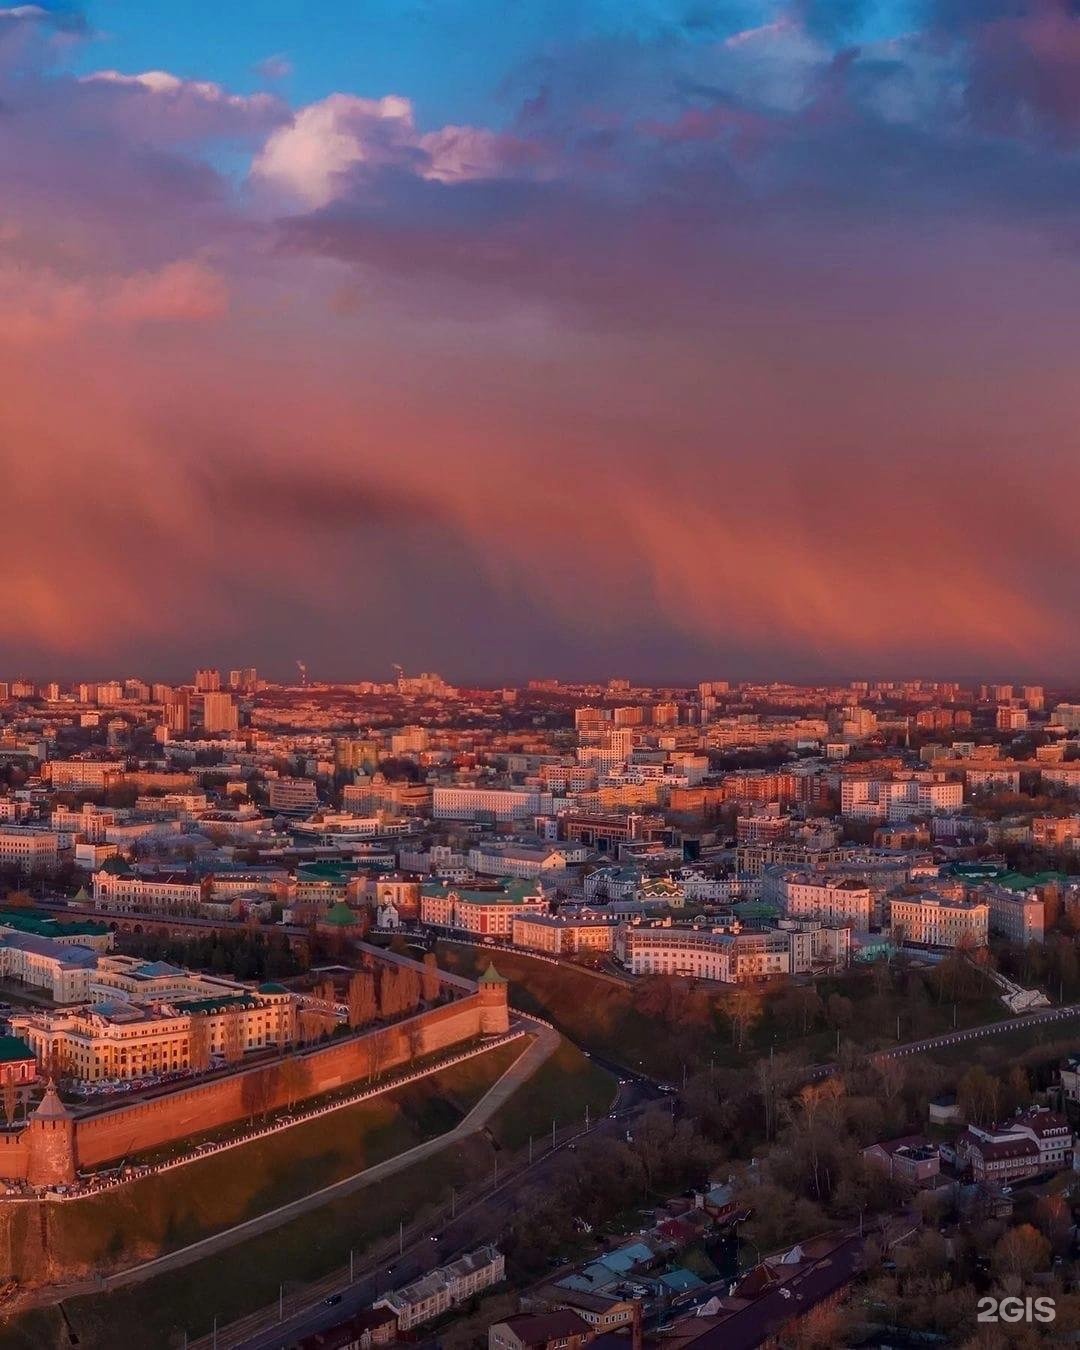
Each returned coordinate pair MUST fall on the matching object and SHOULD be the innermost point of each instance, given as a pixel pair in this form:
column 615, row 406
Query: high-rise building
column 177, row 709
column 245, row 679
column 220, row 712
column 207, row 681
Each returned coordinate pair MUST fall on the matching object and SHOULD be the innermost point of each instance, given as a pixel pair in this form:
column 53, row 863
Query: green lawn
column 559, row 1091
column 154, row 1315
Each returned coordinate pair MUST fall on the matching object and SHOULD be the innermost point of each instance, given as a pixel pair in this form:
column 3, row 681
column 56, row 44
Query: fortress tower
column 51, row 1142
column 494, row 1003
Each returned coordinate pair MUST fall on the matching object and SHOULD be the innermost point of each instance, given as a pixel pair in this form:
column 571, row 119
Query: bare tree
column 432, row 980
column 199, row 1043
column 361, row 999
column 233, row 1038
column 11, row 1100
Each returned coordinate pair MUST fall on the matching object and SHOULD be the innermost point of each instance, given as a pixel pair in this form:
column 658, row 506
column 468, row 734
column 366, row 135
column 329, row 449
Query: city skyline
column 655, row 336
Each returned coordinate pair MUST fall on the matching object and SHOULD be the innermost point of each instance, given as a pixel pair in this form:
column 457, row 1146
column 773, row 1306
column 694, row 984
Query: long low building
column 484, row 913
column 732, row 955
column 61, row 970
column 559, row 936
column 122, row 1038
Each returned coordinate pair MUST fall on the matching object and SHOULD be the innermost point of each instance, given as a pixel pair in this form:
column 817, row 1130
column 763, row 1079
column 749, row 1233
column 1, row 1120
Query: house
column 602, row 1311
column 911, row 1159
column 1035, row 1142
column 772, row 1297
column 562, row 1329
column 371, row 1327
column 442, row 1289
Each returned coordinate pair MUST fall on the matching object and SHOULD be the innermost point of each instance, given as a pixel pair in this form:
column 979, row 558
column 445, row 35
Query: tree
column 409, row 987
column 839, row 1012
column 294, row 1079
column 11, row 1100
column 361, row 999
column 744, row 1011
column 232, row 1038
column 432, row 978
column 389, row 992
column 257, row 1092
column 1021, row 1251
column 978, row 1095
column 199, row 1043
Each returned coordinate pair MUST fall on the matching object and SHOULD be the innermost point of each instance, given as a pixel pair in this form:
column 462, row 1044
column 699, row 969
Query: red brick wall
column 130, row 1129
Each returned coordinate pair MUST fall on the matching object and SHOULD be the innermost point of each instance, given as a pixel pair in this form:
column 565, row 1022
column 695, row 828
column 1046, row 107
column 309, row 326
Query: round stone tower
column 51, row 1141
column 494, row 1003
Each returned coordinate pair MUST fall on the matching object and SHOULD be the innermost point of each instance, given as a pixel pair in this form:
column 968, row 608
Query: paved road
column 483, row 1221
column 1044, row 1017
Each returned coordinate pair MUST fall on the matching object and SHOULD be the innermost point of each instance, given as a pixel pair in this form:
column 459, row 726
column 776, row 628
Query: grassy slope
column 175, row 1208
column 594, row 1012
column 601, row 1015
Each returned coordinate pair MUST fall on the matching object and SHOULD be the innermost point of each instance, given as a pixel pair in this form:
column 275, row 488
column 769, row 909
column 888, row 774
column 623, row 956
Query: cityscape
column 734, row 1013
column 539, row 714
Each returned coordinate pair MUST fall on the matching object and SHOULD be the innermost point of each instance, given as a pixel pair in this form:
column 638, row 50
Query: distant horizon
column 276, row 676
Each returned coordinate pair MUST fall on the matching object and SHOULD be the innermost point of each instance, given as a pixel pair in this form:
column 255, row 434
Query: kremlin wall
column 55, row 1144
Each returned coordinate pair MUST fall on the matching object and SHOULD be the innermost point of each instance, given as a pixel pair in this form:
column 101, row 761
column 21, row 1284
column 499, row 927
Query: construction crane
column 302, row 668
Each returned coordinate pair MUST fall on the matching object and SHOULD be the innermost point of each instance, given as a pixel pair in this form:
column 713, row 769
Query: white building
column 936, row 921
column 471, row 803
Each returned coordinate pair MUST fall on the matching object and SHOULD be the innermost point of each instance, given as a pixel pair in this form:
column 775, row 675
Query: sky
column 659, row 338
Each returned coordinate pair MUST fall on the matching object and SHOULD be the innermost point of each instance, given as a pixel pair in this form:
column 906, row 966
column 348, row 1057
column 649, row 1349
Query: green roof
column 1018, row 881
column 198, row 1005
column 12, row 1048
column 340, row 915
column 326, row 870
column 41, row 924
column 492, row 976
column 272, row 987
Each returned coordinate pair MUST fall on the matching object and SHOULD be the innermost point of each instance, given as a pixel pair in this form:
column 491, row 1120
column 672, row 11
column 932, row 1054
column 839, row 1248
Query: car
column 436, row 1237
column 334, row 1298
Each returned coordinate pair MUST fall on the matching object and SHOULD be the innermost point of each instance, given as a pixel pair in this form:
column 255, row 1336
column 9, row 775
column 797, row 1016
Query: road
column 480, row 1222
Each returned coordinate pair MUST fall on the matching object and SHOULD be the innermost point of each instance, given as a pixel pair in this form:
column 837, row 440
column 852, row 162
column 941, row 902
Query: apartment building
column 1019, row 916
column 1032, row 1144
column 83, row 775
column 292, row 794
column 844, row 900
column 896, row 799
column 29, row 849
column 932, row 920
column 61, row 970
column 527, row 862
column 704, row 954
column 122, row 1039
